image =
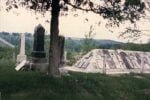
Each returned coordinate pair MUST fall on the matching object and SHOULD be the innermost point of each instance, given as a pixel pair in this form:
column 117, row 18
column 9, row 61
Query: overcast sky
column 22, row 21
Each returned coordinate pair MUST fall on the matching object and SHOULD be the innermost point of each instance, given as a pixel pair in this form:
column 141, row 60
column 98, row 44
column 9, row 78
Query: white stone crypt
column 113, row 62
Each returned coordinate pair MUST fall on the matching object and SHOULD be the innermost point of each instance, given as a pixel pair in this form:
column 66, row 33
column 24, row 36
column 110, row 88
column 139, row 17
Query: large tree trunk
column 54, row 51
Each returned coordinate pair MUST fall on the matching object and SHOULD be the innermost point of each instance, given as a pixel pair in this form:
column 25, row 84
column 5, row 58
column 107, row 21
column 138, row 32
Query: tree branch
column 83, row 9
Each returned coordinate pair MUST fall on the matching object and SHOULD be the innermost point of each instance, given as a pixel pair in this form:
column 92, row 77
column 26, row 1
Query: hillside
column 37, row 86
column 14, row 39
column 4, row 43
column 97, row 41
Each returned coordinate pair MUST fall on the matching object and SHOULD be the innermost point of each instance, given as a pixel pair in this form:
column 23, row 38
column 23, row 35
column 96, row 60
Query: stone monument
column 63, row 59
column 38, row 45
column 38, row 59
column 21, row 56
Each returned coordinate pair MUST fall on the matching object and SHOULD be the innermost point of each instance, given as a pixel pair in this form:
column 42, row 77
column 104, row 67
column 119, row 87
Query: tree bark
column 54, row 51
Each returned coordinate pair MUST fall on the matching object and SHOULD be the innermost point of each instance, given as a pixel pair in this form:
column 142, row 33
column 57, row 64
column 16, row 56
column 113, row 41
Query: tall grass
column 78, row 86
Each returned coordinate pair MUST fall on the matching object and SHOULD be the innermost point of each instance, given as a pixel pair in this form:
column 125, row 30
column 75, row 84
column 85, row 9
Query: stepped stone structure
column 21, row 56
column 113, row 62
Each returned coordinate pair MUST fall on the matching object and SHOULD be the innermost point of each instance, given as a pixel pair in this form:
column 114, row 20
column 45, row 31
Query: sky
column 21, row 21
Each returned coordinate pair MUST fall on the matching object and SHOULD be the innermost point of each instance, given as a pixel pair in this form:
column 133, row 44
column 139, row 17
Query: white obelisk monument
column 21, row 56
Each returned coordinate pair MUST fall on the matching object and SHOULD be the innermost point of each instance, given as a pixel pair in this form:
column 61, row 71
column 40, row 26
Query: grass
column 78, row 86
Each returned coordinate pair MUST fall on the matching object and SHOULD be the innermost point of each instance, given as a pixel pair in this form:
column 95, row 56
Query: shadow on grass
column 78, row 86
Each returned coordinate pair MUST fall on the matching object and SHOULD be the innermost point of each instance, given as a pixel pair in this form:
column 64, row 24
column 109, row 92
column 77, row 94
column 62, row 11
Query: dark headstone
column 61, row 45
column 38, row 45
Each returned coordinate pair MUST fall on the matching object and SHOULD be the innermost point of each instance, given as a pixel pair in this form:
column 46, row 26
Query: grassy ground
column 78, row 86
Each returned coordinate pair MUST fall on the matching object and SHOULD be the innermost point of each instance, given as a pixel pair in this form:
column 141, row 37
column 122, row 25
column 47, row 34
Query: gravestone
column 62, row 52
column 21, row 56
column 38, row 60
column 38, row 45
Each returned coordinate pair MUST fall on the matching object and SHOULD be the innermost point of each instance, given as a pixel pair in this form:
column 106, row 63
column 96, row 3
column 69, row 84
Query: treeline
column 128, row 46
column 75, row 47
column 78, row 45
column 76, row 50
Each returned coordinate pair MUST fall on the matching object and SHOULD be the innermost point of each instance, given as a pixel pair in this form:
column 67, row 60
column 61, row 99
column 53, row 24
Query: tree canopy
column 114, row 10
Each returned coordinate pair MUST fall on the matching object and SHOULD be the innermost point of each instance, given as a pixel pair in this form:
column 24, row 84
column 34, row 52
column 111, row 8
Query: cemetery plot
column 114, row 61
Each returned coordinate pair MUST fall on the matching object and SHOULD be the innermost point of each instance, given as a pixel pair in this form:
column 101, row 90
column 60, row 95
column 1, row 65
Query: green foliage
column 76, row 48
column 71, row 56
column 88, row 43
column 128, row 46
column 136, row 47
column 72, row 45
column 6, row 65
column 78, row 86
column 7, row 53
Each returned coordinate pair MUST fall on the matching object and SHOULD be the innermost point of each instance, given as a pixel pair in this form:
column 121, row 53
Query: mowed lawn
column 77, row 86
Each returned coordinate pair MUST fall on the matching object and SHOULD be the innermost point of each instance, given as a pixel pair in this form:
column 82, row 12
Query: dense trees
column 136, row 47
column 116, row 11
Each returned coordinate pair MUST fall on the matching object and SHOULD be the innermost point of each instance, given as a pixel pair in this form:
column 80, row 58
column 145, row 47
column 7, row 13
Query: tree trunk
column 54, row 51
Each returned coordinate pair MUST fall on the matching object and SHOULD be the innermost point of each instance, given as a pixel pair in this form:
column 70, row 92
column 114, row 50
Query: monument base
column 39, row 64
column 38, row 60
column 21, row 58
column 42, row 67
